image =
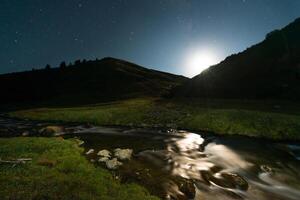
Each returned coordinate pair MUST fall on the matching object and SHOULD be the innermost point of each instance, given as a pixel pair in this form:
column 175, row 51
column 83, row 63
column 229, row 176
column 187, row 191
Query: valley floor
column 58, row 169
column 265, row 119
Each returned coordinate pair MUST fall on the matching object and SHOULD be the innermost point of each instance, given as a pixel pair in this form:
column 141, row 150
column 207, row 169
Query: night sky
column 160, row 34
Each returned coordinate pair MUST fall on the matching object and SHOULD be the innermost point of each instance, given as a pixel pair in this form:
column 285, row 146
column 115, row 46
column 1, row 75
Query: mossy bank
column 58, row 170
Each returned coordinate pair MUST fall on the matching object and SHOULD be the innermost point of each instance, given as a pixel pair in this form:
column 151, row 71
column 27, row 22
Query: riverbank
column 56, row 169
column 268, row 119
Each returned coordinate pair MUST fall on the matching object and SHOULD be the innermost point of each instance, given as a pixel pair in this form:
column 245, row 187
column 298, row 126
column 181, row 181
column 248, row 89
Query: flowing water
column 185, row 165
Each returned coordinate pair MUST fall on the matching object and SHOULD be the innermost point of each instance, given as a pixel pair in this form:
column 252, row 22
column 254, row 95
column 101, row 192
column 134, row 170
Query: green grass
column 245, row 122
column 57, row 171
column 115, row 113
column 251, row 118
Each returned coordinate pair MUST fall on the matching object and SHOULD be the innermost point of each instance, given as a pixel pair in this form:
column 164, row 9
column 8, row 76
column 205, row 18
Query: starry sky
column 159, row 34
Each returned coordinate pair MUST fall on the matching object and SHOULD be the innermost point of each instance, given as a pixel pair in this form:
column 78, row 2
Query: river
column 178, row 164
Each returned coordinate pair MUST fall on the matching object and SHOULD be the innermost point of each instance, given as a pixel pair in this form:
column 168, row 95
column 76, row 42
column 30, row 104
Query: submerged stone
column 123, row 154
column 113, row 164
column 52, row 131
column 25, row 134
column 103, row 159
column 230, row 180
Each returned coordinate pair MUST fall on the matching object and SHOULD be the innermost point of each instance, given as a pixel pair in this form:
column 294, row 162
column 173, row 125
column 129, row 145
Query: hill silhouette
column 86, row 82
column 270, row 69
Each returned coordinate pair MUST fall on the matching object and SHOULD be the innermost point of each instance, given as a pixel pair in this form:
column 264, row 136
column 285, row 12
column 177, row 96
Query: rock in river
column 104, row 153
column 113, row 164
column 230, row 180
column 25, row 133
column 103, row 159
column 52, row 131
column 90, row 151
column 123, row 154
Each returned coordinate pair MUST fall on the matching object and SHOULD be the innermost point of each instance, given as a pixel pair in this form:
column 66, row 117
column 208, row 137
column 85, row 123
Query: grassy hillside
column 58, row 171
column 268, row 119
column 270, row 69
column 85, row 82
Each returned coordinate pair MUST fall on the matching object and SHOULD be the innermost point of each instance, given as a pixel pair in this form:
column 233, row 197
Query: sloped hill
column 86, row 82
column 270, row 69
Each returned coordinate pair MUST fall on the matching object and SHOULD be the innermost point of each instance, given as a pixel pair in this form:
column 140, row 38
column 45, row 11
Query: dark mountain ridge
column 86, row 82
column 270, row 69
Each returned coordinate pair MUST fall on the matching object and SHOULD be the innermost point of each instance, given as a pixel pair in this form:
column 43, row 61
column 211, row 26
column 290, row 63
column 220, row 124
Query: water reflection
column 217, row 171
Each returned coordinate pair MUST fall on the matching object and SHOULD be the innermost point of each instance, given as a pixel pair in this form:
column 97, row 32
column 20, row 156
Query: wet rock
column 225, row 180
column 230, row 180
column 187, row 187
column 266, row 169
column 206, row 176
column 123, row 154
column 104, row 153
column 103, row 159
column 172, row 131
column 113, row 164
column 25, row 133
column 52, row 131
column 90, row 151
column 215, row 169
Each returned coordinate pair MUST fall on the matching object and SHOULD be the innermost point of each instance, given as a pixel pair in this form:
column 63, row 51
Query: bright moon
column 199, row 61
